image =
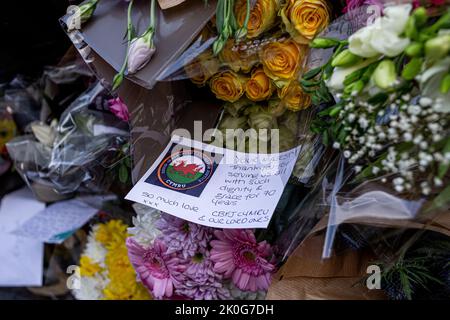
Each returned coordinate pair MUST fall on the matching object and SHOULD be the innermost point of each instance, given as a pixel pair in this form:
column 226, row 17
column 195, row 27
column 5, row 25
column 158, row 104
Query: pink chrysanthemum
column 202, row 283
column 238, row 256
column 159, row 271
column 182, row 236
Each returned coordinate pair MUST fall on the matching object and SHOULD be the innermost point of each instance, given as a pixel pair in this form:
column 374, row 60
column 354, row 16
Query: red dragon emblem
column 187, row 169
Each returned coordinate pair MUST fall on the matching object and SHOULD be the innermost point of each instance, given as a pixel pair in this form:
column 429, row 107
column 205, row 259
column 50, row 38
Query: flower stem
column 119, row 76
column 247, row 15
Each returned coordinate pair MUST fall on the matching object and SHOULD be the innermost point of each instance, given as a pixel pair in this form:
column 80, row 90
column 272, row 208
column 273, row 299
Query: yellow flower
column 262, row 16
column 111, row 234
column 235, row 59
column 7, row 131
column 227, row 85
column 293, row 97
column 122, row 283
column 304, row 19
column 258, row 87
column 88, row 268
column 281, row 60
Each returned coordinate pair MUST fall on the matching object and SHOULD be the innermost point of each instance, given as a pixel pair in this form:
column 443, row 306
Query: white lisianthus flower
column 383, row 36
column 139, row 54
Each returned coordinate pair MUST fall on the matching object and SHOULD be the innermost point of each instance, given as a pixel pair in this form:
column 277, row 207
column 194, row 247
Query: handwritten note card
column 213, row 186
column 57, row 222
column 21, row 258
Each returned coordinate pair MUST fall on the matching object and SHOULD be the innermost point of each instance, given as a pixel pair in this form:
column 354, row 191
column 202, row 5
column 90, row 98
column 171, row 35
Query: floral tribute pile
column 174, row 258
column 105, row 270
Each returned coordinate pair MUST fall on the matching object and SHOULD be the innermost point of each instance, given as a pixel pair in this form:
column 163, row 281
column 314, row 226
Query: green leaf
column 354, row 76
column 312, row 73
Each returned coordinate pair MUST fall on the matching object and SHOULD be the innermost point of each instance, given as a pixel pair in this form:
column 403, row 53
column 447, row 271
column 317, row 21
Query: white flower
column 382, row 37
column 94, row 249
column 91, row 288
column 144, row 230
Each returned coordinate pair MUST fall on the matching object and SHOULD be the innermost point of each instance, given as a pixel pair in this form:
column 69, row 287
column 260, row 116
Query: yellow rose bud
column 262, row 16
column 293, row 97
column 304, row 19
column 258, row 87
column 227, row 85
column 281, row 60
column 7, row 131
column 202, row 68
column 236, row 59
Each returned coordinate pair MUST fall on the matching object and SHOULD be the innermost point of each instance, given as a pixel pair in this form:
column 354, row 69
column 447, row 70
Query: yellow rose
column 304, row 19
column 236, row 59
column 262, row 16
column 259, row 87
column 227, row 85
column 281, row 60
column 293, row 97
column 202, row 68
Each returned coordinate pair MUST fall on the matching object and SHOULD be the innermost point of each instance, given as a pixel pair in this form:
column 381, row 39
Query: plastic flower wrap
column 105, row 270
column 71, row 154
column 188, row 261
column 384, row 109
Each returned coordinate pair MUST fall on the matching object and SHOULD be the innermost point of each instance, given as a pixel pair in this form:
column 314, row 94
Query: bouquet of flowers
column 105, row 270
column 174, row 258
column 381, row 100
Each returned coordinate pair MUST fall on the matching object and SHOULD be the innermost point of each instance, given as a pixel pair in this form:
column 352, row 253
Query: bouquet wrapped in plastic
column 75, row 152
column 381, row 100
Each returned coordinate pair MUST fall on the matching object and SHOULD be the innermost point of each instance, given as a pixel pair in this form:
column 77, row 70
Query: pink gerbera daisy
column 238, row 256
column 159, row 271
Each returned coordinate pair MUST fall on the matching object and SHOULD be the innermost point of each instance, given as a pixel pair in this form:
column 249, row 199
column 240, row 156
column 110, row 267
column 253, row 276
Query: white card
column 213, row 186
column 21, row 258
column 57, row 222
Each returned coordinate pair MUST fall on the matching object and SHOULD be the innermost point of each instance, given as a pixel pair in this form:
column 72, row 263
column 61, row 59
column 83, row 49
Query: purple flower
column 353, row 4
column 183, row 236
column 119, row 109
column 159, row 271
column 202, row 283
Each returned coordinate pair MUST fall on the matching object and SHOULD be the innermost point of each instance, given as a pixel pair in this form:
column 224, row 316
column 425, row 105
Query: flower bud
column 354, row 88
column 445, row 84
column 345, row 59
column 218, row 45
column 385, row 75
column 81, row 15
column 139, row 54
column 415, row 49
column 410, row 28
column 421, row 17
column 412, row 68
column 323, row 43
column 438, row 47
